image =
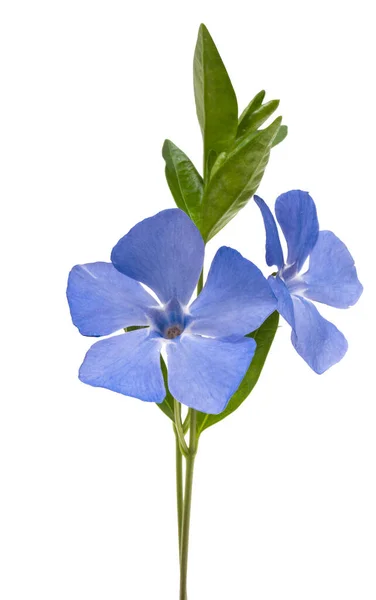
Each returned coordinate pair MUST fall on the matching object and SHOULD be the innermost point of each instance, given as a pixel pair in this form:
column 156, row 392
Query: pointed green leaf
column 134, row 328
column 216, row 104
column 236, row 180
column 218, row 163
column 282, row 133
column 167, row 406
column 254, row 104
column 264, row 337
column 254, row 120
column 184, row 181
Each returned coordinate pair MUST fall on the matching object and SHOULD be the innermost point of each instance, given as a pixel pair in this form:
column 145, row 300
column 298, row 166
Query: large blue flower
column 331, row 277
column 207, row 353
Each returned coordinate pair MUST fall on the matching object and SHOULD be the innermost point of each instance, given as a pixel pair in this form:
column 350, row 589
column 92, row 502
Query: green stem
column 184, row 499
column 179, row 428
column 190, row 461
column 179, row 489
column 186, row 421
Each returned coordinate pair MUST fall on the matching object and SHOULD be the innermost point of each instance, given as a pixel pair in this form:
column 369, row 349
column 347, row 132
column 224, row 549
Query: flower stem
column 179, row 489
column 190, row 461
column 179, row 428
column 184, row 499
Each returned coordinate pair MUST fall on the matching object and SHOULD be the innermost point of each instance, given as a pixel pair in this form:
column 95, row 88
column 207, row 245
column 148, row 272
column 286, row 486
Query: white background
column 284, row 498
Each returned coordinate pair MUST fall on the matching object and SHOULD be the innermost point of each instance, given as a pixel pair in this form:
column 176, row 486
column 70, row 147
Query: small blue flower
column 331, row 277
column 207, row 353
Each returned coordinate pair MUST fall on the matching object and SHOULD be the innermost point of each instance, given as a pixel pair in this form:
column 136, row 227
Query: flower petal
column 332, row 277
column 296, row 214
column 204, row 373
column 317, row 340
column 236, row 298
column 274, row 253
column 165, row 252
column 128, row 363
column 102, row 300
column 285, row 306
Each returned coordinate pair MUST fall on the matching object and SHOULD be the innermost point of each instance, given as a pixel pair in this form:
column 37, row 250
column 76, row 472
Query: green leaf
column 218, row 163
column 251, row 121
column 184, row 181
column 236, row 180
column 216, row 104
column 167, row 406
column 254, row 104
column 264, row 337
column 210, row 161
column 282, row 133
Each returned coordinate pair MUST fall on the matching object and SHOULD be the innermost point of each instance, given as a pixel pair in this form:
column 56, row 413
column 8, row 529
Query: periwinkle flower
column 207, row 353
column 331, row 277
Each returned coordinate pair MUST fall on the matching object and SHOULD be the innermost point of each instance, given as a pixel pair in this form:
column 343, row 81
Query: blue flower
column 207, row 353
column 331, row 277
